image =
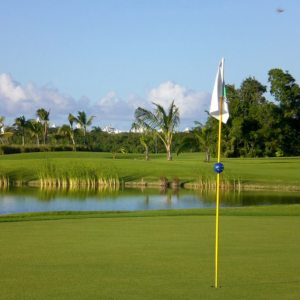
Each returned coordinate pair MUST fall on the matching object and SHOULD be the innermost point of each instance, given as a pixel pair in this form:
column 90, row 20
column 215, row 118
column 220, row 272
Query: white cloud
column 16, row 101
column 112, row 107
column 192, row 105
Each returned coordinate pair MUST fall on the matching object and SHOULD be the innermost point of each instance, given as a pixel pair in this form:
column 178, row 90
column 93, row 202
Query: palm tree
column 82, row 120
column 44, row 115
column 71, row 120
column 35, row 128
column 3, row 134
column 66, row 130
column 97, row 129
column 146, row 137
column 199, row 138
column 160, row 122
column 21, row 121
column 116, row 149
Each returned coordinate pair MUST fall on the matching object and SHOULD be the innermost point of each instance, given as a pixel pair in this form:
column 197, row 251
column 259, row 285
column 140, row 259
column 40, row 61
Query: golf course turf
column 166, row 254
column 272, row 173
column 153, row 257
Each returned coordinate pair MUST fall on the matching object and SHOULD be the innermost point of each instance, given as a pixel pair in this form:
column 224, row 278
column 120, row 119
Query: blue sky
column 108, row 57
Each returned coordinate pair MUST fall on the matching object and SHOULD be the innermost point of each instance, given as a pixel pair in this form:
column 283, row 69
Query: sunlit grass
column 151, row 258
column 76, row 175
column 131, row 169
column 4, row 179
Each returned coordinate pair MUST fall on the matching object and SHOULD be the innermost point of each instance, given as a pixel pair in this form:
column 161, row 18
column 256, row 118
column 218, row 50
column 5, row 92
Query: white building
column 109, row 129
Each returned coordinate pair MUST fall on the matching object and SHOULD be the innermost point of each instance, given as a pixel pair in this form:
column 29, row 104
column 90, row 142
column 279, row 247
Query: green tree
column 146, row 137
column 245, row 124
column 115, row 148
column 96, row 129
column 3, row 134
column 161, row 122
column 83, row 121
column 36, row 129
column 250, row 128
column 22, row 123
column 71, row 120
column 66, row 130
column 199, row 138
column 287, row 93
column 44, row 115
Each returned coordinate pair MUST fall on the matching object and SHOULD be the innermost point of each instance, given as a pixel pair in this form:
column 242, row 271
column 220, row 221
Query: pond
column 34, row 199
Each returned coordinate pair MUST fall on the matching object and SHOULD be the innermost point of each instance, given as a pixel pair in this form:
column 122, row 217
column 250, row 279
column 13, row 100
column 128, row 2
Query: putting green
column 151, row 258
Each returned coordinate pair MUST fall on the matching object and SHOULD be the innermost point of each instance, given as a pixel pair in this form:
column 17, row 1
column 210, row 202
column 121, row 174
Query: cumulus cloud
column 111, row 107
column 192, row 105
column 16, row 100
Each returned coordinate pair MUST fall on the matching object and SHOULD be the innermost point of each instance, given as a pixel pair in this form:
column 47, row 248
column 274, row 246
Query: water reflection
column 31, row 199
column 81, row 193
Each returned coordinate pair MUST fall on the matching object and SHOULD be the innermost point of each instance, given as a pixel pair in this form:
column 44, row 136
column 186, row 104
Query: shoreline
column 275, row 210
column 142, row 184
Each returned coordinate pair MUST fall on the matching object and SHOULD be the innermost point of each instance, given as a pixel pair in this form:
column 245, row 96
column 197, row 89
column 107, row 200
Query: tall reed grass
column 76, row 175
column 207, row 180
column 4, row 180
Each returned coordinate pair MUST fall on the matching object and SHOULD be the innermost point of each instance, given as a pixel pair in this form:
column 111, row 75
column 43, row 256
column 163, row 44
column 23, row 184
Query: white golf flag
column 218, row 95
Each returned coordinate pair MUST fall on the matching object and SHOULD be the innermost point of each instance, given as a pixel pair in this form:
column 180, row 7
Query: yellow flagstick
column 218, row 197
column 217, row 107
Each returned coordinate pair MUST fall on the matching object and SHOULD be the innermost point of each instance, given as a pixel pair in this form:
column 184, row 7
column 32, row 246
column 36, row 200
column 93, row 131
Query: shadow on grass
column 133, row 177
column 21, row 176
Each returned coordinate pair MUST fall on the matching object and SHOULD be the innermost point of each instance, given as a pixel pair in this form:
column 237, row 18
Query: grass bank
column 271, row 210
column 131, row 169
column 152, row 258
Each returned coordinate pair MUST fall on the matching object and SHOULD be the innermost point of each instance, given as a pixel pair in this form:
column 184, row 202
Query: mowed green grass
column 151, row 258
column 280, row 173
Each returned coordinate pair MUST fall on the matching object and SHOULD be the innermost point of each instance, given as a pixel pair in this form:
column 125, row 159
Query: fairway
column 151, row 258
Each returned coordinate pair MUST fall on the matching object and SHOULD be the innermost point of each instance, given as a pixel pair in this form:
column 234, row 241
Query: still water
column 33, row 199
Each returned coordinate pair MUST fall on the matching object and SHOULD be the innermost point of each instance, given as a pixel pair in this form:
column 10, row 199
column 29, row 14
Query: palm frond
column 43, row 114
column 188, row 143
column 147, row 118
column 89, row 122
column 175, row 121
column 35, row 127
column 6, row 134
column 71, row 119
column 20, row 121
column 65, row 130
column 160, row 122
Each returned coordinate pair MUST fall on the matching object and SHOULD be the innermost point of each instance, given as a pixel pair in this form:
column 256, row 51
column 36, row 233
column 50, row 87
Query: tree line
column 256, row 127
column 35, row 129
